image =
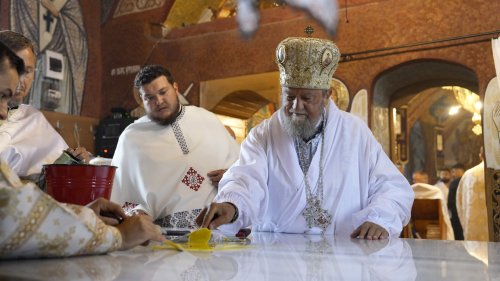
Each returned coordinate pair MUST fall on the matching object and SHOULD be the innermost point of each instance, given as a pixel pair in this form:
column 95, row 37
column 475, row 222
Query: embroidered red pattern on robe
column 192, row 179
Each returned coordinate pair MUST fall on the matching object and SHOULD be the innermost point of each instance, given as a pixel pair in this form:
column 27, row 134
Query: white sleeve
column 390, row 195
column 245, row 183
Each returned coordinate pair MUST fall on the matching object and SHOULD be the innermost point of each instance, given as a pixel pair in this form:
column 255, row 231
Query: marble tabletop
column 279, row 257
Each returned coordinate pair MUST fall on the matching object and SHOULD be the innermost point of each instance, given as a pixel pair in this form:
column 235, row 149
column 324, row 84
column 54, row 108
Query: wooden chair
column 426, row 220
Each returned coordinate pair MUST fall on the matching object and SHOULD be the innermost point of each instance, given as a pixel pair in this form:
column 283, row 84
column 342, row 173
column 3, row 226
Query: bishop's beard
column 299, row 127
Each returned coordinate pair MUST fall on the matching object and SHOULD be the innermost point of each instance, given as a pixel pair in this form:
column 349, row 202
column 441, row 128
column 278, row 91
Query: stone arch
column 241, row 104
column 410, row 78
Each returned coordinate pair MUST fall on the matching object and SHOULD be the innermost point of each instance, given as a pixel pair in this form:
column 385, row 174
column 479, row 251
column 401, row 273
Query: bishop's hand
column 371, row 231
column 216, row 215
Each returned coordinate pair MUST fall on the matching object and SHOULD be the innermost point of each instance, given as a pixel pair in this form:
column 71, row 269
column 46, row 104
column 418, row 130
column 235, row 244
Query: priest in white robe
column 33, row 224
column 427, row 191
column 27, row 140
column 311, row 168
column 170, row 161
column 471, row 203
column 444, row 181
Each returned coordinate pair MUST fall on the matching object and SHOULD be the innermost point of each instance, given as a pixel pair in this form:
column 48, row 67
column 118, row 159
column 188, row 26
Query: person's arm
column 390, row 197
column 244, row 186
column 35, row 225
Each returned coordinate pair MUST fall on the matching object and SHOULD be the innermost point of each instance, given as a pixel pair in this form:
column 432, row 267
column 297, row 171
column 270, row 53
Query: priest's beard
column 445, row 180
column 165, row 121
column 299, row 127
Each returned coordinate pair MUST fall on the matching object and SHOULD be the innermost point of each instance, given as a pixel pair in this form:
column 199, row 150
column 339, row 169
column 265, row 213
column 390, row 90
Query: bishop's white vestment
column 162, row 170
column 360, row 182
column 28, row 141
column 471, row 204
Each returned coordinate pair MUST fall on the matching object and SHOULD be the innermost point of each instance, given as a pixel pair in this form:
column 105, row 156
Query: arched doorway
column 241, row 102
column 412, row 94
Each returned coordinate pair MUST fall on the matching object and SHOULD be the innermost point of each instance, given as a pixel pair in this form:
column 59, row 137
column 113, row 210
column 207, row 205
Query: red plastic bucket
column 78, row 184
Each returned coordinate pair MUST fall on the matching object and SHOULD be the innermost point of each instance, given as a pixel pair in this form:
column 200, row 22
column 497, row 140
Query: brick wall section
column 4, row 14
column 196, row 56
column 92, row 93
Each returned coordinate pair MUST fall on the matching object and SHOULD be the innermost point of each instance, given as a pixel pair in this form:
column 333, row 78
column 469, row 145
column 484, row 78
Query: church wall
column 91, row 101
column 93, row 94
column 120, row 45
column 125, row 47
column 196, row 56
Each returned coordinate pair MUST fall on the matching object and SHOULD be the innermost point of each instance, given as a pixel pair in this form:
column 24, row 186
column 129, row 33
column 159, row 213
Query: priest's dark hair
column 149, row 73
column 7, row 55
column 16, row 41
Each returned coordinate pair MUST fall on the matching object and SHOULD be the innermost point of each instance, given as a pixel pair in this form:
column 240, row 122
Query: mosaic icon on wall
column 340, row 94
column 359, row 106
column 491, row 124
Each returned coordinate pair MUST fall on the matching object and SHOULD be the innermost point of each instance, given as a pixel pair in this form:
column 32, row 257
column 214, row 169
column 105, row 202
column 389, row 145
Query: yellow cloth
column 471, row 204
column 33, row 224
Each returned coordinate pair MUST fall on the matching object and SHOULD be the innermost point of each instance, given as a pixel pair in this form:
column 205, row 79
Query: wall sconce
column 401, row 133
column 396, row 118
column 476, row 119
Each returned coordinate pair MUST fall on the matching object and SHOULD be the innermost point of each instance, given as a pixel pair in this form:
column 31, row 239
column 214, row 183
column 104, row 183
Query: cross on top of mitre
column 309, row 30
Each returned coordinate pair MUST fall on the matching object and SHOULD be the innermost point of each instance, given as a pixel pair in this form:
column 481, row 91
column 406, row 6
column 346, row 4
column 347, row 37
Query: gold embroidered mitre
column 307, row 62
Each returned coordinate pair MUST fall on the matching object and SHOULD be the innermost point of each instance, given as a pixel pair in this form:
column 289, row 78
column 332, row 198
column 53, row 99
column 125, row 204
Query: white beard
column 299, row 126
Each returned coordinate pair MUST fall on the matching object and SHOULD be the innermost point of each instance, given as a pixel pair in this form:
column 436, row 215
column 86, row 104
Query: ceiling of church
column 241, row 104
column 188, row 12
column 184, row 13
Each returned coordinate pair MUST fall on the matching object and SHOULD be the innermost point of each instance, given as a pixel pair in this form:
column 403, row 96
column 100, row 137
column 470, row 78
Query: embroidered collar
column 179, row 136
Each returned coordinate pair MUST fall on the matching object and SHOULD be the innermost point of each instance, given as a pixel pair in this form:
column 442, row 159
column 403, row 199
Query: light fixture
column 454, row 110
column 476, row 118
column 469, row 101
column 478, row 106
column 477, row 129
column 465, row 97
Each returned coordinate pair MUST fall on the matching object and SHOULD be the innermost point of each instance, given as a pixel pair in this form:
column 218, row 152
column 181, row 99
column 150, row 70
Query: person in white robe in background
column 311, row 168
column 33, row 224
column 427, row 191
column 444, row 181
column 27, row 140
column 171, row 160
column 471, row 203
